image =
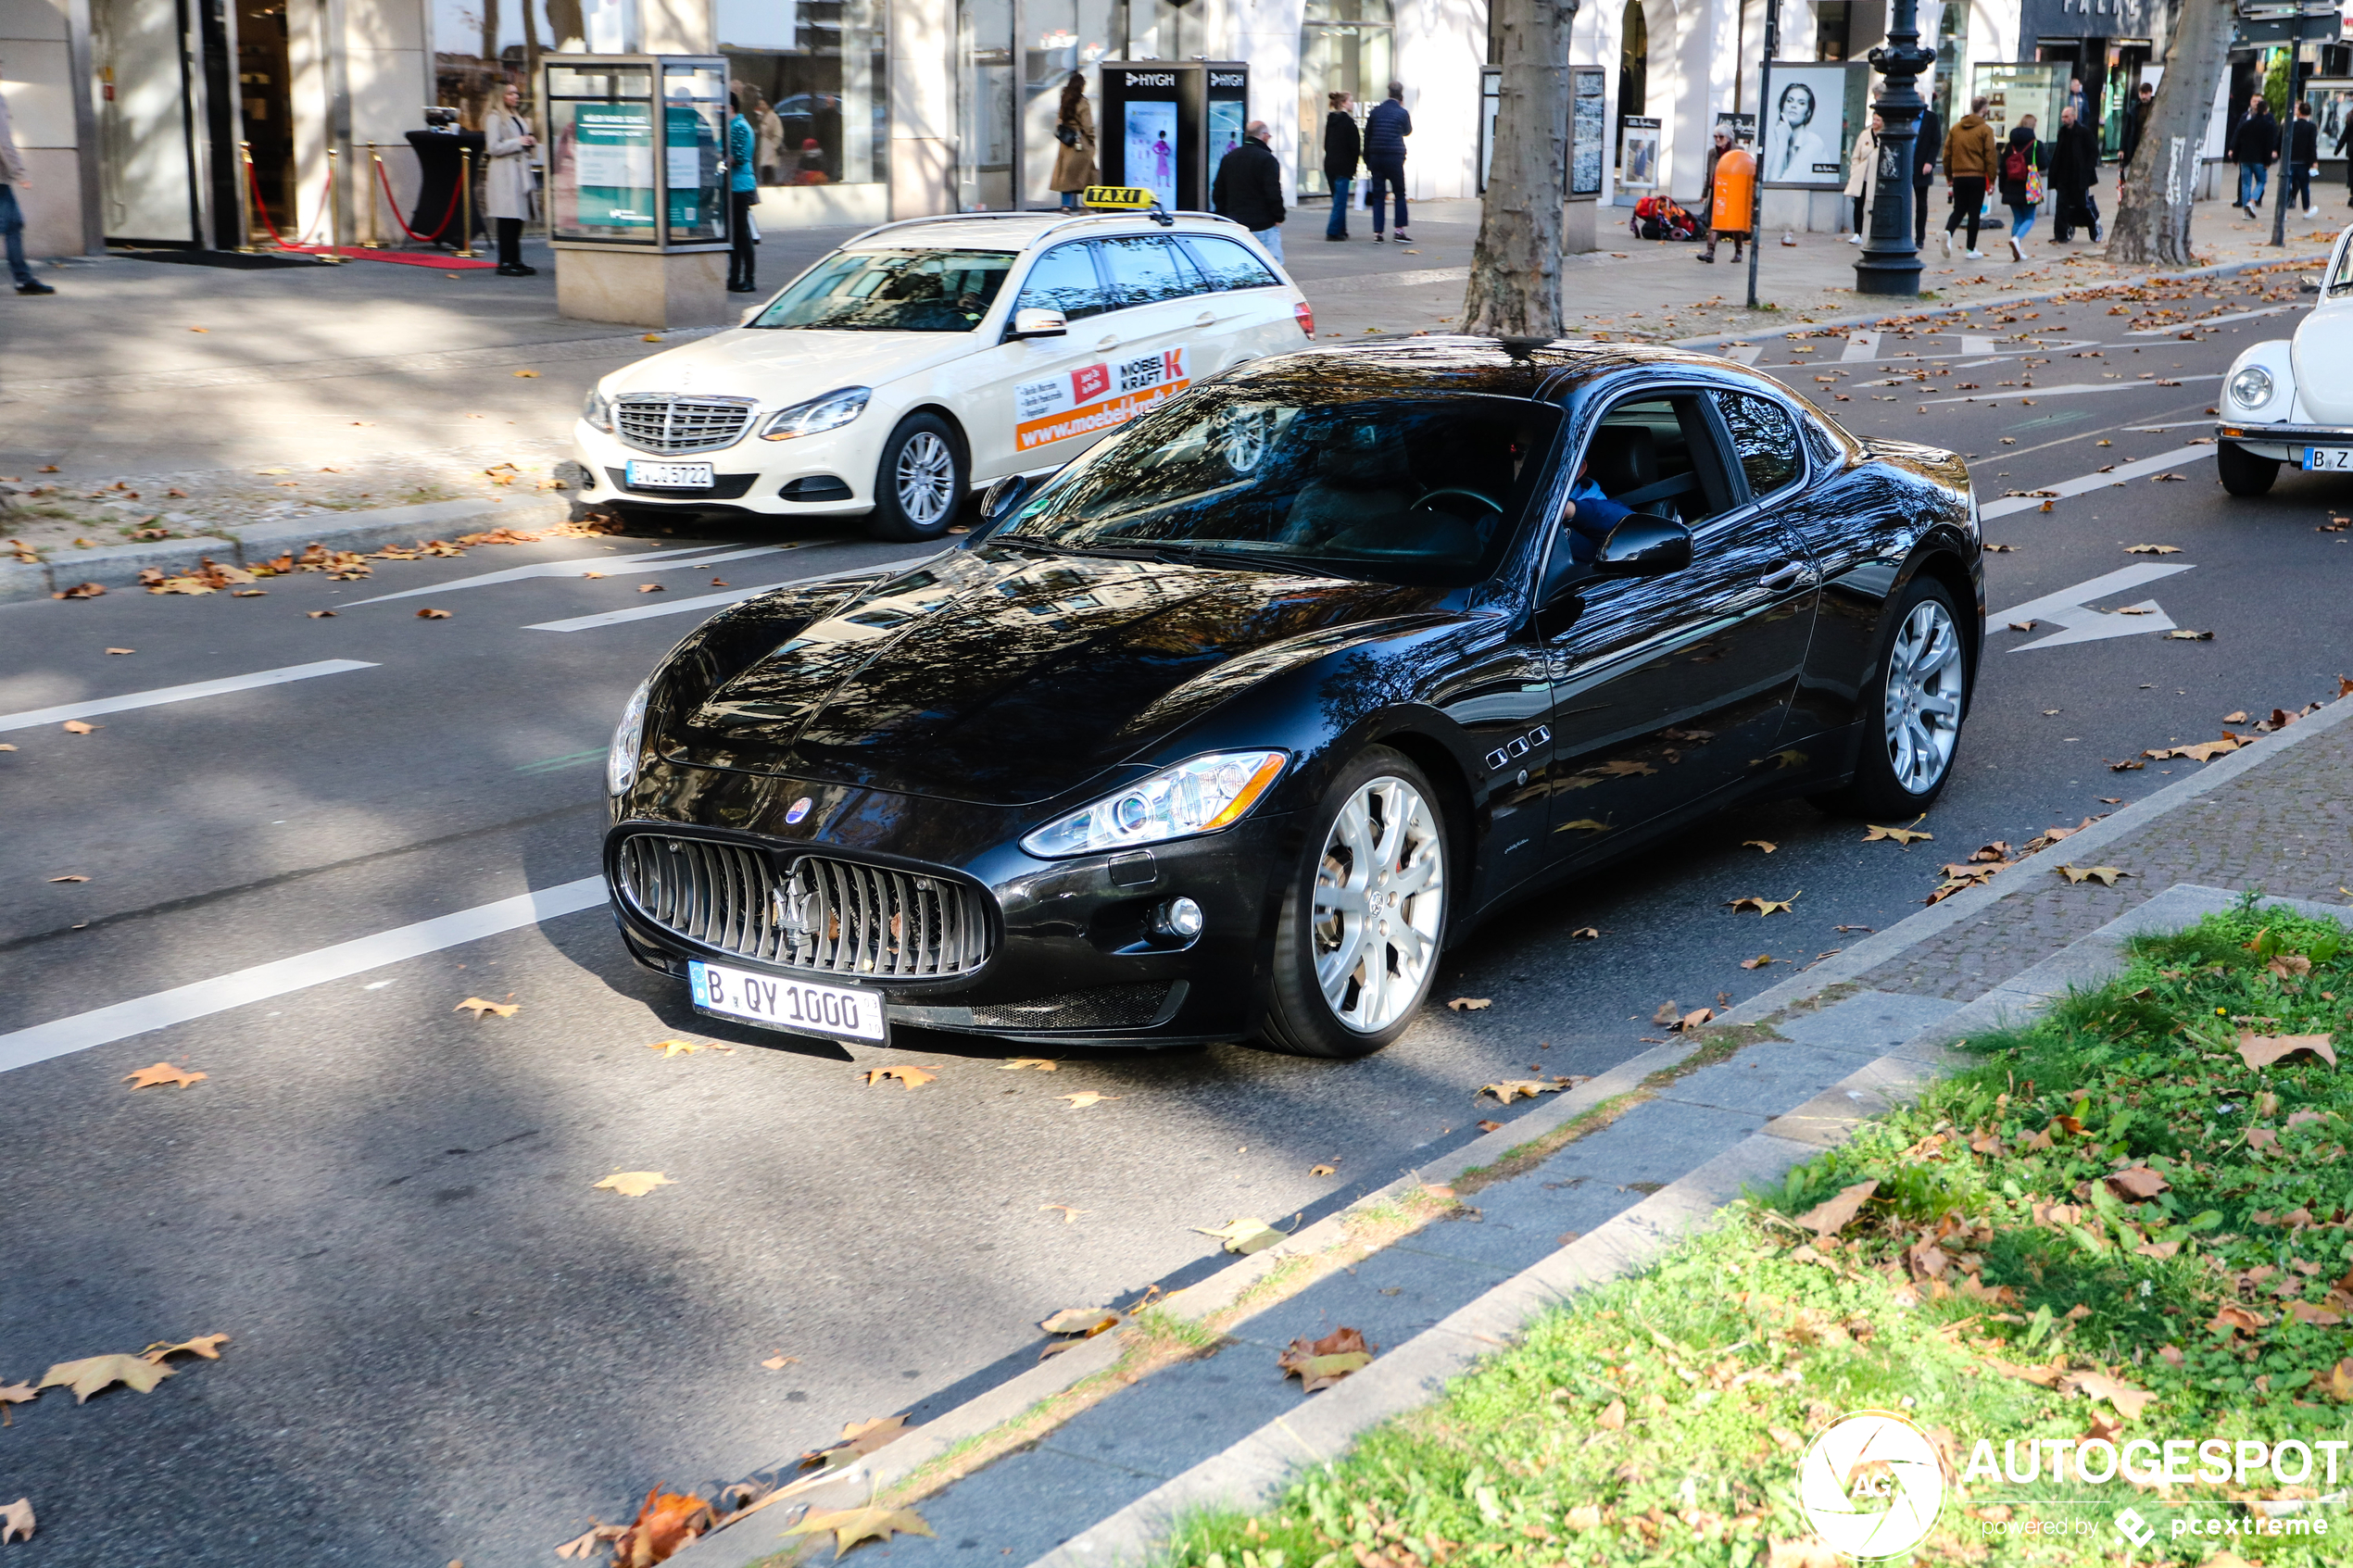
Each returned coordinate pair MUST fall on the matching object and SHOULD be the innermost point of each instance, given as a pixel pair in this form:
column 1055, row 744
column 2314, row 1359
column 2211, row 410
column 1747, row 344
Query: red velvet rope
column 394, row 202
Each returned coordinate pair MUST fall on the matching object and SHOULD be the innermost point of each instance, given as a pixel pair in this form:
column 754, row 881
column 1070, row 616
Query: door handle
column 1108, row 339
column 1786, row 573
column 1205, row 318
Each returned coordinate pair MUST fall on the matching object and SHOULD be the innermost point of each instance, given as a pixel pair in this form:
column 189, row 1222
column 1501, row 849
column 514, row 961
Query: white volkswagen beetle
column 2290, row 400
column 928, row 357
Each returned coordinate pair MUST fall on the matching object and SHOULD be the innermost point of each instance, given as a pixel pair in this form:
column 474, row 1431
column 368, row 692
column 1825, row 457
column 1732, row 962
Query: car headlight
column 1202, row 795
column 2251, row 388
column 628, row 739
column 598, row 411
column 832, row 411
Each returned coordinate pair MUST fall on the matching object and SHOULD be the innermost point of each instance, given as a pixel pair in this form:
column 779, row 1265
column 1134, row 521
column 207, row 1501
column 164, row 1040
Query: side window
column 1766, row 439
column 1658, row 454
column 1064, row 279
column 1144, row 269
column 1228, row 263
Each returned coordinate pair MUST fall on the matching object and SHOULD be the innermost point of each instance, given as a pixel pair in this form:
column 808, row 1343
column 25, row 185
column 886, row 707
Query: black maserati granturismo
column 1227, row 729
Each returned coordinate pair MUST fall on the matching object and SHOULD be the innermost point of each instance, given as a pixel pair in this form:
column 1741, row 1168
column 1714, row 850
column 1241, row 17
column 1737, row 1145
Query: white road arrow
column 2068, row 608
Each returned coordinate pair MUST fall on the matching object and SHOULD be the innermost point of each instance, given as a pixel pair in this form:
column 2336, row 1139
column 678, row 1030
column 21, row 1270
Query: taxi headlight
column 598, row 411
column 2251, row 388
column 832, row 411
column 1199, row 797
column 628, row 739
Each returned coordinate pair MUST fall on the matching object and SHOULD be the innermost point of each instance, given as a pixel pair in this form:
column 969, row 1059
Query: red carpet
column 405, row 257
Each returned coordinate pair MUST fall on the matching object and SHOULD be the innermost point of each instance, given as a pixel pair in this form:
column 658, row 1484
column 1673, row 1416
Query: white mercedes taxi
column 928, row 357
column 2290, row 400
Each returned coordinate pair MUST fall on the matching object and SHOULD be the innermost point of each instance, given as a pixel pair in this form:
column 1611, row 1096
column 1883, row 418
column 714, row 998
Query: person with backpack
column 1343, row 149
column 1969, row 164
column 2022, row 166
column 1385, row 131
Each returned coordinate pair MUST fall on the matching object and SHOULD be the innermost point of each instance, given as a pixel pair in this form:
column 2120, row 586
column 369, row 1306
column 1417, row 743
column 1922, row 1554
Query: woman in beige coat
column 1859, row 174
column 506, row 144
column 1075, row 129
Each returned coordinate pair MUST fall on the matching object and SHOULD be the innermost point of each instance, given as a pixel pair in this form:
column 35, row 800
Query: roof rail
column 1042, row 233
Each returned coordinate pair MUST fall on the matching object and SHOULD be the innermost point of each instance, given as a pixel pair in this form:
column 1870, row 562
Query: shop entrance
column 148, row 135
column 1345, row 46
column 265, row 102
column 1633, row 73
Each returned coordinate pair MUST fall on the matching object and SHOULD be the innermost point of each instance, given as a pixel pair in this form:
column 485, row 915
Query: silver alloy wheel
column 1924, row 677
column 1380, row 891
column 926, row 478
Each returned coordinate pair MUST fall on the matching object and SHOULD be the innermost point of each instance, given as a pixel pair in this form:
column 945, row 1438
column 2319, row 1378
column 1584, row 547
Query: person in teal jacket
column 743, row 190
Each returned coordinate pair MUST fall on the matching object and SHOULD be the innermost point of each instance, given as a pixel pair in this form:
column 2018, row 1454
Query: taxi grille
column 662, row 423
column 824, row 915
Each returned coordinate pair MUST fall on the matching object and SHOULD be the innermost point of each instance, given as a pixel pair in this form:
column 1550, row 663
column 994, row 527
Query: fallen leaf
column 1765, row 844
column 2105, row 875
column 1086, row 1098
column 651, row 588
column 16, row 1521
column 1323, row 1170
column 162, row 1072
column 850, row 1525
column 1586, row 934
column 2152, row 549
column 2022, row 626
column 79, row 591
column 76, row 727
column 1759, row 962
column 1322, row 1363
column 433, row 615
column 667, row 1522
column 2311, row 1313
column 1516, row 1088
column 914, row 1077
column 528, row 375
column 581, row 1548
column 2338, row 1381
column 2187, row 636
column 1765, row 906
column 676, row 1048
column 2138, row 1182
column 779, row 1361
column 1070, row 1215
column 477, row 1006
column 2128, row 1402
column 1471, row 1004
column 319, row 614
column 635, row 1184
column 1834, row 1215
column 89, row 1375
column 859, row 1439
column 1612, row 1416
column 1039, row 1062
column 1488, row 1126
column 1691, row 1021
column 205, row 1345
column 2266, row 1051
column 2238, row 718
column 2000, row 549
column 1086, row 1322
column 1244, row 1237
column 70, row 876
column 122, row 650
column 1898, row 835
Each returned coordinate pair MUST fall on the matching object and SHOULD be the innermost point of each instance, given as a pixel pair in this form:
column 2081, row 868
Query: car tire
column 1373, row 870
column 920, row 483
column 1916, row 700
column 2243, row 473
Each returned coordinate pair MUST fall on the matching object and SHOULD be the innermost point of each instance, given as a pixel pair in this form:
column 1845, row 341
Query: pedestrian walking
column 1859, row 164
column 2303, row 158
column 743, row 195
column 2023, row 165
column 2076, row 101
column 1924, row 150
column 2255, row 141
column 2136, row 123
column 2075, row 167
column 506, row 141
column 1385, row 131
column 14, row 178
column 1731, row 189
column 1249, row 188
column 1344, row 149
column 1075, row 138
column 1969, row 164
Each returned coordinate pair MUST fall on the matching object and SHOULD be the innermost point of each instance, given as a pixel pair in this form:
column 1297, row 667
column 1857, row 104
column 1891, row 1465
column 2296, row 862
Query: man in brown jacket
column 1968, row 164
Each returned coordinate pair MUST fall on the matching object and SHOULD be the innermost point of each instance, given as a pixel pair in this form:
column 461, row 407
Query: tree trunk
column 1515, row 269
column 2153, row 219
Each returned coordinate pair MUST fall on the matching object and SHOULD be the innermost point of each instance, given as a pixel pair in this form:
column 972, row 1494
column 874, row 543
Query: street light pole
column 1763, row 106
column 1890, row 261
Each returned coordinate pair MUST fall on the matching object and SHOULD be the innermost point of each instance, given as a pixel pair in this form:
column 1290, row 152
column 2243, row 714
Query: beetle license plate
column 2328, row 460
column 668, row 476
column 794, row 1005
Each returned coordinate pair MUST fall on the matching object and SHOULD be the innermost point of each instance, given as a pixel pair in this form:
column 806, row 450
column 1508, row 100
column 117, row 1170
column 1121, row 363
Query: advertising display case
column 1165, row 123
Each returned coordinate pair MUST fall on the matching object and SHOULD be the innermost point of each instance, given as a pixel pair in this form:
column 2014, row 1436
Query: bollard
column 375, row 165
column 466, row 201
column 245, row 200
column 335, row 212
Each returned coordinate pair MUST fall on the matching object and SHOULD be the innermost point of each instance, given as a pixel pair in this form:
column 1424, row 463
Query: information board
column 1588, row 129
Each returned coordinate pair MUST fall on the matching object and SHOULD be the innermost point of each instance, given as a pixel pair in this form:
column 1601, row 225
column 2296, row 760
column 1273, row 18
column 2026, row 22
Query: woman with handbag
column 1075, row 129
column 2022, row 165
column 506, row 141
column 743, row 193
column 1859, row 165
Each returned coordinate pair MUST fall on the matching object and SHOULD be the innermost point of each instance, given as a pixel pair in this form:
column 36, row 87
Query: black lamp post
column 1890, row 262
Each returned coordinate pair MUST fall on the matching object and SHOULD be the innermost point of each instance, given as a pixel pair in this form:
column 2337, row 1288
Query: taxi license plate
column 668, row 476
column 796, row 1006
column 2328, row 460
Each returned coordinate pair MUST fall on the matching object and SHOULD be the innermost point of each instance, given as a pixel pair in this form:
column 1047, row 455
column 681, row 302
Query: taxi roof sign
column 1119, row 198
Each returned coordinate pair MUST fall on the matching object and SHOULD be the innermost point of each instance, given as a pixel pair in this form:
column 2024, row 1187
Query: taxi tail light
column 1304, row 313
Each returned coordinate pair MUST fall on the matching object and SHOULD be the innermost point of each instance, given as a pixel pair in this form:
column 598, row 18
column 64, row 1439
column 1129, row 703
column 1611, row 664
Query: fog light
column 1178, row 917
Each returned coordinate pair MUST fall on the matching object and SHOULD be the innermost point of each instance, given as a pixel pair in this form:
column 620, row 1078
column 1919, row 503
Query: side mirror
column 1035, row 322
column 998, row 505
column 1645, row 547
column 750, row 313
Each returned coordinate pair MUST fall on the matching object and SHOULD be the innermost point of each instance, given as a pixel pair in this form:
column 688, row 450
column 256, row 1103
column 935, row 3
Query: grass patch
column 1658, row 1420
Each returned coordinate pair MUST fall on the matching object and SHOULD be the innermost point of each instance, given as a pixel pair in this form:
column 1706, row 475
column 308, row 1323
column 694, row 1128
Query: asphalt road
column 448, row 1344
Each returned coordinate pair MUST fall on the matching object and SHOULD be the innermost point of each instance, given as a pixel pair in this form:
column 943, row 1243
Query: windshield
column 1423, row 491
column 894, row 291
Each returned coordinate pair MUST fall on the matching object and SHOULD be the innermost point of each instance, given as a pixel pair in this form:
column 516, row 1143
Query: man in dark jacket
column 1385, row 131
column 2303, row 158
column 2075, row 166
column 1249, row 188
column 2136, row 120
column 1924, row 151
column 1344, row 147
column 2255, row 141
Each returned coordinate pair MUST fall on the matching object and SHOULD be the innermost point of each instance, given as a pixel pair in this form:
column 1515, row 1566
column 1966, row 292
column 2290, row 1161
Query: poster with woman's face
column 1803, row 125
column 1150, row 134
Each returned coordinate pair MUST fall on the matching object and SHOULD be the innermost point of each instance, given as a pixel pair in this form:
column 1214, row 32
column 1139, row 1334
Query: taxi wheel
column 919, row 486
column 2243, row 473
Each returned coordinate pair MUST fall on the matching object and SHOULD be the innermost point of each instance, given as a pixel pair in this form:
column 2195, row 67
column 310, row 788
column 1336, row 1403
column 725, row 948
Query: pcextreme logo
column 1871, row 1484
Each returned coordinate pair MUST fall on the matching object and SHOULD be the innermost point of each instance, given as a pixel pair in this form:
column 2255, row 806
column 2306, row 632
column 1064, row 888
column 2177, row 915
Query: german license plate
column 668, row 476
column 773, row 1002
column 2328, row 460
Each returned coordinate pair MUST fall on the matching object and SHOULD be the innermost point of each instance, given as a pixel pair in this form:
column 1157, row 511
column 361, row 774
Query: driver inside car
column 1589, row 515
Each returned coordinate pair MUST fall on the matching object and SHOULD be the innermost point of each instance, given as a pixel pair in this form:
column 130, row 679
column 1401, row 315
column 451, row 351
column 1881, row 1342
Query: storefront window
column 483, row 46
column 1063, row 36
column 811, row 79
column 984, row 105
column 1345, row 46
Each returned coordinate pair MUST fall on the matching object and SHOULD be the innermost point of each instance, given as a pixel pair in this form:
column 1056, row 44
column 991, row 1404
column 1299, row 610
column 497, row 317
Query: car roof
column 1500, row 367
column 1020, row 230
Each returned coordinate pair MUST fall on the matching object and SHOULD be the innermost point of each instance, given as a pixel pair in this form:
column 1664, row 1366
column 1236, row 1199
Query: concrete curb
column 118, row 566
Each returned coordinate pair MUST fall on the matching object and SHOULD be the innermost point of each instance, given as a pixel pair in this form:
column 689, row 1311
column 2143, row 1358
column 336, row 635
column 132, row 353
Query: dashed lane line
column 32, row 717
column 573, row 566
column 2209, row 321
column 2069, row 389
column 2085, row 483
column 707, row 601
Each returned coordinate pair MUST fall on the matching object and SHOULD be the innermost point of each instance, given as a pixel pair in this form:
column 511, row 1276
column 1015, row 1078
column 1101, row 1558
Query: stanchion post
column 375, row 163
column 245, row 200
column 466, row 201
column 334, row 210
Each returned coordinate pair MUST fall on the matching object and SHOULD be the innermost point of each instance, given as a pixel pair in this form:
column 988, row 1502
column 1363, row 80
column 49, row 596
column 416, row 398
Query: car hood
column 784, row 365
column 998, row 676
column 2323, row 341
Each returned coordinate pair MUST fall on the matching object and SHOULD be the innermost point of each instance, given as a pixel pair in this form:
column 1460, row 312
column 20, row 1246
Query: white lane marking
column 1744, row 353
column 2207, row 423
column 707, row 601
column 2072, row 389
column 102, row 1026
column 65, row 711
column 2209, row 321
column 2082, row 625
column 1980, row 345
column 612, row 565
column 1860, row 345
column 2085, row 483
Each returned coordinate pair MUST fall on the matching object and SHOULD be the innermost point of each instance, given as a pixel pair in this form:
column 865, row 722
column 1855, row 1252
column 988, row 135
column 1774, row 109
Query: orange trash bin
column 1734, row 196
